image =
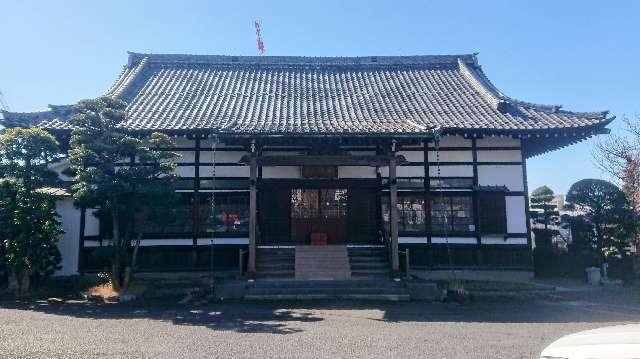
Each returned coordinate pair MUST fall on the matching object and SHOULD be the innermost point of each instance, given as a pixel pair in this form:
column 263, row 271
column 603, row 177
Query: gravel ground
column 504, row 328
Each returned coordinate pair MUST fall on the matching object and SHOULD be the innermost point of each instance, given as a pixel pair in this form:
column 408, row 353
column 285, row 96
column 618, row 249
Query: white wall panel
column 454, row 240
column 451, row 156
column 185, row 171
column 216, row 241
column 500, row 156
column 497, row 142
column 183, row 142
column 70, row 239
column 452, row 171
column 60, row 167
column 222, row 156
column 186, row 156
column 225, row 171
column 501, row 175
column 502, row 240
column 453, row 141
column 516, row 214
column 356, row 172
column 412, row 156
column 281, row 172
column 91, row 223
column 412, row 240
column 404, row 171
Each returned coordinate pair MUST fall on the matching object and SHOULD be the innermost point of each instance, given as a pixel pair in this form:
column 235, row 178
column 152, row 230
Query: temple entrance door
column 322, row 211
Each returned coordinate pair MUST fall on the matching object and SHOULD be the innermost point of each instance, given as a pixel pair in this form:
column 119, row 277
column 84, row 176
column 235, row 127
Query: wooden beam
column 253, row 171
column 314, row 160
column 393, row 214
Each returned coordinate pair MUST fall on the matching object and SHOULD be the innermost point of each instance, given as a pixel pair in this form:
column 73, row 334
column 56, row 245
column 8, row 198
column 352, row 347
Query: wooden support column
column 253, row 194
column 393, row 212
column 475, row 203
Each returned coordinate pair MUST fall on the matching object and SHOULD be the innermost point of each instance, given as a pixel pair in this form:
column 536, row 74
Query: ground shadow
column 282, row 317
column 236, row 317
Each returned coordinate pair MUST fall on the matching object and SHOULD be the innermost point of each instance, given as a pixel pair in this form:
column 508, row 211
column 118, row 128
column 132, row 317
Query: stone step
column 273, row 289
column 329, row 261
column 296, row 297
column 373, row 265
column 328, row 291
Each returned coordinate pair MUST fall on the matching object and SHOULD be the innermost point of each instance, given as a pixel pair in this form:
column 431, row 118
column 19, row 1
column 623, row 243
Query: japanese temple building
column 383, row 152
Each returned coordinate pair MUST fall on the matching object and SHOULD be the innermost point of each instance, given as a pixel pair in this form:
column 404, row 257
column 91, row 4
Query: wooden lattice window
column 492, row 213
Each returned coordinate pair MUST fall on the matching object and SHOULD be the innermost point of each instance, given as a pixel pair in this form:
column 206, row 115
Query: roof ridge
column 481, row 84
column 127, row 78
column 135, row 58
column 487, row 88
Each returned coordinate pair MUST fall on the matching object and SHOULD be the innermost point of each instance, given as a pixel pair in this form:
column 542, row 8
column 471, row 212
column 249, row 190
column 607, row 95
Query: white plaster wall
column 183, row 142
column 502, row 240
column 225, row 171
column 216, row 241
column 452, row 171
column 69, row 241
column 59, row 167
column 501, row 175
column 454, row 240
column 222, row 156
column 412, row 156
column 404, row 171
column 453, row 141
column 185, row 171
column 186, row 156
column 281, row 172
column 497, row 142
column 500, row 156
column 356, row 172
column 451, row 156
column 516, row 214
column 413, row 240
column 91, row 223
column 164, row 242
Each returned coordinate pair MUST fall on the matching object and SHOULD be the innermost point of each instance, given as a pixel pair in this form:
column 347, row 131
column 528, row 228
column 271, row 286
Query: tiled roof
column 321, row 95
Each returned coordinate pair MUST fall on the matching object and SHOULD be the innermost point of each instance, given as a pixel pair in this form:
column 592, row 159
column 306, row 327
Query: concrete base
column 483, row 275
column 230, row 290
column 423, row 291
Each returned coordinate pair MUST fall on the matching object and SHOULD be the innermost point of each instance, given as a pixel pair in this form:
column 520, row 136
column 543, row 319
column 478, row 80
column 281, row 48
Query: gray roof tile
column 320, row 95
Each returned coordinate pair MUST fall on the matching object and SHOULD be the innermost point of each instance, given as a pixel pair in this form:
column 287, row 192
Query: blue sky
column 581, row 54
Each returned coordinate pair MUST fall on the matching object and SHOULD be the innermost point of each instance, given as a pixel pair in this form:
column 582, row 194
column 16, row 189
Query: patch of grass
column 57, row 287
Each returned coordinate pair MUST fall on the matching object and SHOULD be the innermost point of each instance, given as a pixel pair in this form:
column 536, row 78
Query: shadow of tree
column 287, row 317
column 233, row 317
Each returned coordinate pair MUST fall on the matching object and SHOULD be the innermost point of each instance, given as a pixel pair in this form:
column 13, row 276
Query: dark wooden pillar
column 253, row 195
column 475, row 203
column 393, row 212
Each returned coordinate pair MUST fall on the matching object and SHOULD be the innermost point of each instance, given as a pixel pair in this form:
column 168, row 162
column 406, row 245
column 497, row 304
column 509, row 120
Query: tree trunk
column 116, row 275
column 25, row 281
column 14, row 284
column 129, row 270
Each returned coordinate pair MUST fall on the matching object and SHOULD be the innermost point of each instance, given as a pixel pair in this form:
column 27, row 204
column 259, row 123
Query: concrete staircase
column 322, row 262
column 367, row 262
column 295, row 289
column 275, row 262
